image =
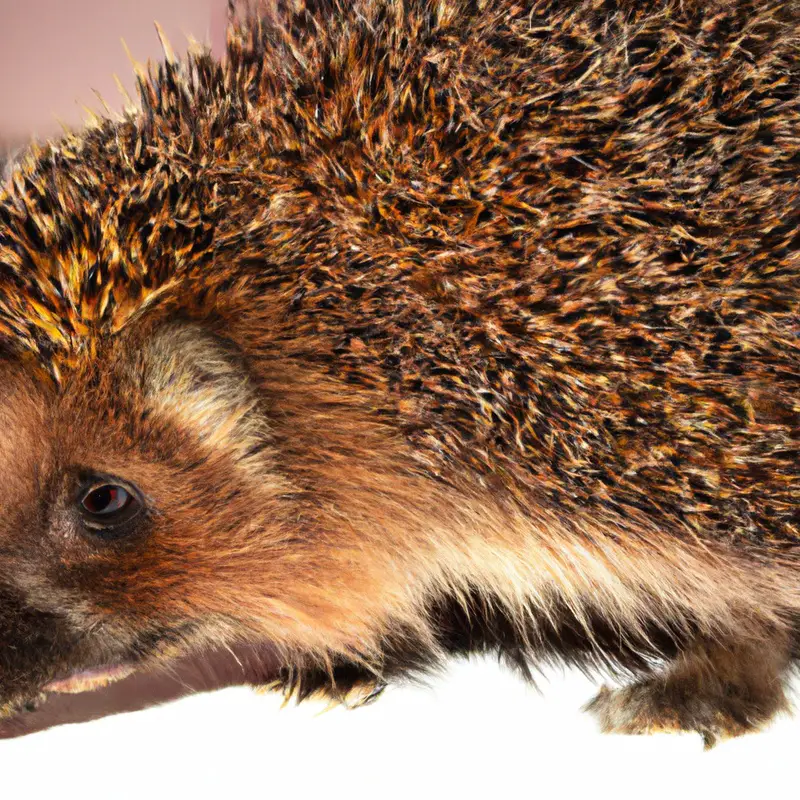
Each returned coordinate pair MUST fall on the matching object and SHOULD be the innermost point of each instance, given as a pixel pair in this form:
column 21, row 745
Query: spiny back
column 560, row 238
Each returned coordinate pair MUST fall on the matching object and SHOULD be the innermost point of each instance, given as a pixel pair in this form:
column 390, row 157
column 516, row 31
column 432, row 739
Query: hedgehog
column 414, row 329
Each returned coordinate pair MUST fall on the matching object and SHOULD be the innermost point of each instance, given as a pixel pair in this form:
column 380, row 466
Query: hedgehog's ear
column 200, row 383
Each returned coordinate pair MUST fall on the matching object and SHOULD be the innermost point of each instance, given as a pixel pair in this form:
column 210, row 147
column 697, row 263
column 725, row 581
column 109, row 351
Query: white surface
column 477, row 732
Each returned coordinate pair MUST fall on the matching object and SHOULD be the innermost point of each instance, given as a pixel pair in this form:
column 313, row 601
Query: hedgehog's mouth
column 89, row 679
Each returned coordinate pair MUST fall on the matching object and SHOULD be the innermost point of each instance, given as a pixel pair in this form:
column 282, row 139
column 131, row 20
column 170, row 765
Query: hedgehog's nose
column 31, row 644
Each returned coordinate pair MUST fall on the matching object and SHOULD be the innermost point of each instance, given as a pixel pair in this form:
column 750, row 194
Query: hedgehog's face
column 141, row 514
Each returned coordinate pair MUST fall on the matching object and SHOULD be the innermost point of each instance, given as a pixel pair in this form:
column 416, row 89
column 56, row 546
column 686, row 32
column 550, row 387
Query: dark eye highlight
column 108, row 505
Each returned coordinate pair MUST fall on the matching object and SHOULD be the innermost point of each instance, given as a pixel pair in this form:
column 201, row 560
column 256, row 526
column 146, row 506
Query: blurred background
column 54, row 55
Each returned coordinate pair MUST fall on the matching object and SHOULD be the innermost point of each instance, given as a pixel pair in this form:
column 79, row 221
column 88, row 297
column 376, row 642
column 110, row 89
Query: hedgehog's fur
column 427, row 326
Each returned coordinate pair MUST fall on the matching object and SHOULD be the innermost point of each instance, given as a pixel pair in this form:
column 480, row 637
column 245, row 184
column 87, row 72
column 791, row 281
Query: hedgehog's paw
column 362, row 693
column 648, row 708
column 352, row 689
column 717, row 689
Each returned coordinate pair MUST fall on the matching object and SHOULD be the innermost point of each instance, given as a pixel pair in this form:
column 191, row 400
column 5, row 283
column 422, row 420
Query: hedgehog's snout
column 34, row 644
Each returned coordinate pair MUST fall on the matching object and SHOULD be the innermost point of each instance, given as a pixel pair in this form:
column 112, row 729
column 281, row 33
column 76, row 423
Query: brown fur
column 424, row 328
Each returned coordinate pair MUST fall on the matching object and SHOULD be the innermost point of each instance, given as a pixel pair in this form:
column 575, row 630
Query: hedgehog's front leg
column 718, row 689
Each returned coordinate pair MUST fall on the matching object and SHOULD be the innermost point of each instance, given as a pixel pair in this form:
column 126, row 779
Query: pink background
column 53, row 53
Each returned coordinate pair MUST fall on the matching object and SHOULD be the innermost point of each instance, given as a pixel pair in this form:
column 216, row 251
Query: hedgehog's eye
column 108, row 505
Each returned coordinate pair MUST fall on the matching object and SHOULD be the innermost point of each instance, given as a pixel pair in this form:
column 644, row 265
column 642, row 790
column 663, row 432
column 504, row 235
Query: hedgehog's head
column 142, row 514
